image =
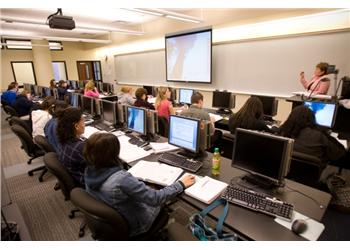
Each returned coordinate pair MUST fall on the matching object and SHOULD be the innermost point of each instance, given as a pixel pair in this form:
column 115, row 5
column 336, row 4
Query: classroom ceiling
column 111, row 23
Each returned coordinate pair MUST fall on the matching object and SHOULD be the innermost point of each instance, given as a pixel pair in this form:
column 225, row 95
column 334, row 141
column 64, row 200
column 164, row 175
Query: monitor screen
column 188, row 56
column 105, row 87
column 262, row 154
column 137, row 120
column 108, row 111
column 74, row 84
column 74, row 100
column 184, row 133
column 345, row 90
column 46, row 91
column 185, row 96
column 88, row 105
column 222, row 99
column 324, row 112
column 269, row 105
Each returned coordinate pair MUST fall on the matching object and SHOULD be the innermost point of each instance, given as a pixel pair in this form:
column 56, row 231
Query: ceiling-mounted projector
column 56, row 21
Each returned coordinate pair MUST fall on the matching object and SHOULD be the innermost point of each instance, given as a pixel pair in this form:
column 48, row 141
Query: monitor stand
column 223, row 111
column 259, row 181
column 150, row 137
column 190, row 155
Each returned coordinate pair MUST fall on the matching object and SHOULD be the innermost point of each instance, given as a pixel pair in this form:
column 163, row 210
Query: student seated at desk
column 106, row 180
column 91, row 90
column 125, row 96
column 163, row 106
column 249, row 116
column 53, row 86
column 62, row 90
column 51, row 126
column 196, row 111
column 9, row 96
column 23, row 103
column 70, row 127
column 308, row 138
column 141, row 99
column 42, row 115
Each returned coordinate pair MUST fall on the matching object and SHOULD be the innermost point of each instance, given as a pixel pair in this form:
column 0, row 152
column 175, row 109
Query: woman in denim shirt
column 107, row 181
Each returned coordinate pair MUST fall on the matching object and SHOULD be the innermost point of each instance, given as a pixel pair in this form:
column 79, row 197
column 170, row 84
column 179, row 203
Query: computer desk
column 254, row 225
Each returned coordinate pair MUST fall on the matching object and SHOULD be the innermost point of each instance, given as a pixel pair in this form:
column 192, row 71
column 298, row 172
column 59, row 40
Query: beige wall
column 71, row 53
column 42, row 62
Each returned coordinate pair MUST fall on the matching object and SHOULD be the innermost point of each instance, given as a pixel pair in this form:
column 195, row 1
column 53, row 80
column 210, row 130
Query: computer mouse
column 299, row 226
column 149, row 147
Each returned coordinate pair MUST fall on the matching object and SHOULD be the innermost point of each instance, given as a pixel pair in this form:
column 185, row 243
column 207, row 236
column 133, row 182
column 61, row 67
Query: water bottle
column 215, row 170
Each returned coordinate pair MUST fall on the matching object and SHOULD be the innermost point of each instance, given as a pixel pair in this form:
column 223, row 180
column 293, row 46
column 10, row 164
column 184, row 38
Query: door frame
column 93, row 72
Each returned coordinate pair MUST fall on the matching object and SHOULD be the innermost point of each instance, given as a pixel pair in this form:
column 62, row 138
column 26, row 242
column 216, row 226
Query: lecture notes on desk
column 155, row 172
column 206, row 189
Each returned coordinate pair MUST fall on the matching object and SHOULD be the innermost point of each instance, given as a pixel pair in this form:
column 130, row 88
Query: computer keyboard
column 258, row 201
column 105, row 127
column 180, row 161
column 135, row 140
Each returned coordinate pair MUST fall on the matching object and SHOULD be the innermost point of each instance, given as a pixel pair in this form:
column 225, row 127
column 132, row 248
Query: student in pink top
column 91, row 90
column 163, row 105
column 319, row 83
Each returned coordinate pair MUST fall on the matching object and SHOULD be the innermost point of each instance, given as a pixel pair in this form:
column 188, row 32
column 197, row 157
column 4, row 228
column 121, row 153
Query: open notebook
column 206, row 189
column 129, row 152
column 155, row 172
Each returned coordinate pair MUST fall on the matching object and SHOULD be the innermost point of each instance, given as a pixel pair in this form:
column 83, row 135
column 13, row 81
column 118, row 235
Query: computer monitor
column 27, row 87
column 88, row 105
column 264, row 156
column 34, row 90
column 185, row 96
column 40, row 91
column 137, row 120
column 109, row 113
column 184, row 133
column 46, row 92
column 121, row 113
column 150, row 90
column 74, row 100
column 324, row 112
column 269, row 105
column 223, row 100
column 74, row 84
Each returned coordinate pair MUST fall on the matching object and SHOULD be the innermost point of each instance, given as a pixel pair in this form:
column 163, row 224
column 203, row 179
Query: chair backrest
column 60, row 172
column 26, row 139
column 305, row 169
column 104, row 221
column 43, row 144
column 10, row 110
column 20, row 122
column 163, row 126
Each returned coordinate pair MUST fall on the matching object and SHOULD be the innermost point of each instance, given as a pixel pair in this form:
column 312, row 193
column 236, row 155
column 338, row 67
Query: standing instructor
column 319, row 83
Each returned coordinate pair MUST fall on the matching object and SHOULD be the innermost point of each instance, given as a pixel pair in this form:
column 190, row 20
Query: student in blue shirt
column 107, row 181
column 10, row 95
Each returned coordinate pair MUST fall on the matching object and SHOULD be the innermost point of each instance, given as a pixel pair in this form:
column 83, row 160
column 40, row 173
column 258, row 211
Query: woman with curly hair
column 70, row 127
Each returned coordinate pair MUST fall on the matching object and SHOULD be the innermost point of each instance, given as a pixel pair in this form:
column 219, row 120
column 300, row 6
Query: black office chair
column 66, row 182
column 305, row 169
column 47, row 148
column 24, row 124
column 28, row 145
column 10, row 111
column 163, row 126
column 106, row 223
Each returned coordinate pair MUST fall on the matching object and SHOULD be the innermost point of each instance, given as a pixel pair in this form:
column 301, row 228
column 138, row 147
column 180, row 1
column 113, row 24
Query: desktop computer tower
column 204, row 135
column 152, row 121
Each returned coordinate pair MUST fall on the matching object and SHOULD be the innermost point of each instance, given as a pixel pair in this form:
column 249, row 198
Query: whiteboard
column 269, row 67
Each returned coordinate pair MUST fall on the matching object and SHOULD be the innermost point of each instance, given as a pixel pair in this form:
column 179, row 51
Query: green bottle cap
column 216, row 150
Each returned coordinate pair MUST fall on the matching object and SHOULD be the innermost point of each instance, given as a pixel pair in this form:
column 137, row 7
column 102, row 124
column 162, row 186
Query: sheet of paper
column 130, row 152
column 216, row 117
column 314, row 228
column 162, row 147
column 89, row 130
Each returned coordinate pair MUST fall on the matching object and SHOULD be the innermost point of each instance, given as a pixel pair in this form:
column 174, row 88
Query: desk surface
column 255, row 225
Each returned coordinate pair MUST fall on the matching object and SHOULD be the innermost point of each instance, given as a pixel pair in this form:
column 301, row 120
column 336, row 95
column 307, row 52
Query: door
column 85, row 70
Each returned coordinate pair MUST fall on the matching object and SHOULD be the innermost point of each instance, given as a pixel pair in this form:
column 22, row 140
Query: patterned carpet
column 44, row 209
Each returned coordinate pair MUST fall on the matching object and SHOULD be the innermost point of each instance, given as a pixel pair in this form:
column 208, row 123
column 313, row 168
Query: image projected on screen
column 183, row 133
column 324, row 112
column 136, row 120
column 188, row 57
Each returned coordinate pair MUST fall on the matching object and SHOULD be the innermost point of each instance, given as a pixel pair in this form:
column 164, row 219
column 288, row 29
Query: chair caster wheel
column 71, row 216
column 81, row 233
column 41, row 179
column 30, row 173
